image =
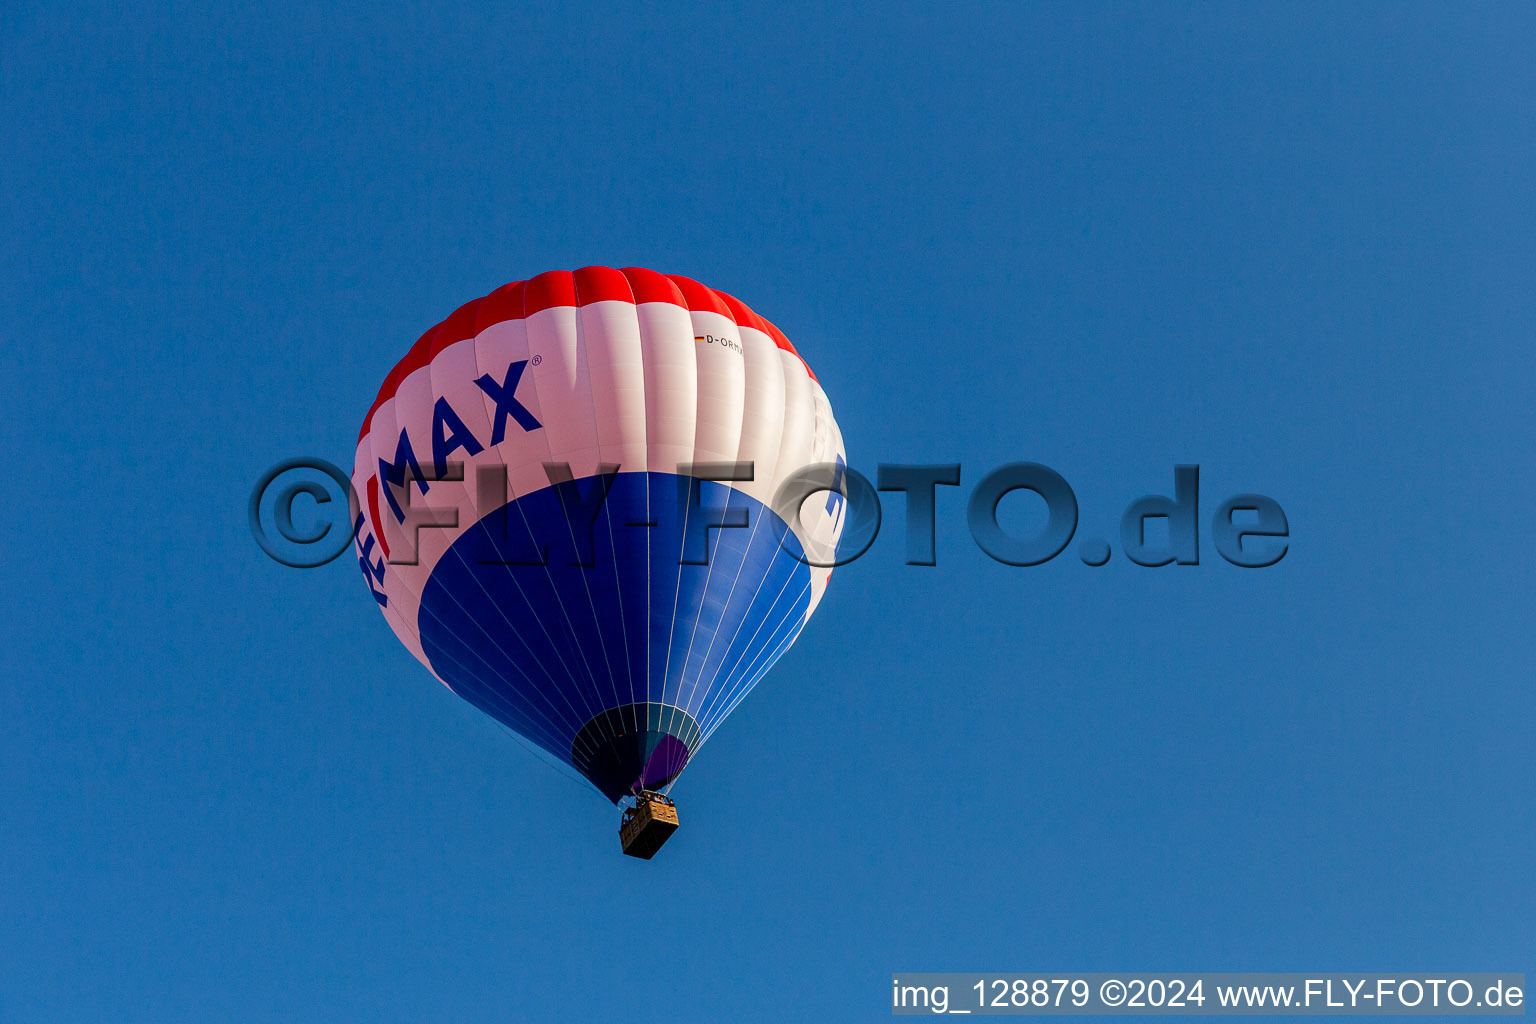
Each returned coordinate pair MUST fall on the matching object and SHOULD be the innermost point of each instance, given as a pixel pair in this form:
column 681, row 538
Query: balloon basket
column 648, row 824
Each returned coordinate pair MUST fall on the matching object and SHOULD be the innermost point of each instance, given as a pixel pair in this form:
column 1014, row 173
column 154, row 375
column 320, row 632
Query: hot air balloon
column 596, row 571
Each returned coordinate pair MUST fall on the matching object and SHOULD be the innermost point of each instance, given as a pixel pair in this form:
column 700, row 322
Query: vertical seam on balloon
column 597, row 622
column 766, row 509
column 569, row 625
column 709, row 571
column 677, row 590
column 403, row 583
column 710, row 566
column 730, row 687
column 780, row 460
column 751, row 683
column 550, row 457
column 504, row 652
column 512, row 576
column 618, row 587
column 507, row 564
column 703, row 592
column 753, row 677
column 753, row 673
column 618, row 581
column 756, row 677
column 666, row 671
column 553, row 730
column 491, row 600
column 782, row 587
column 496, row 676
column 649, row 346
column 554, row 646
column 740, row 567
column 466, row 487
column 646, row 391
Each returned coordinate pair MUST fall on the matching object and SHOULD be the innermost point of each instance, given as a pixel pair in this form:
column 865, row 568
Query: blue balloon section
column 624, row 664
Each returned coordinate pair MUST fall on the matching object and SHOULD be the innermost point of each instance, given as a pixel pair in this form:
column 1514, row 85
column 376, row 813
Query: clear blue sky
column 1293, row 245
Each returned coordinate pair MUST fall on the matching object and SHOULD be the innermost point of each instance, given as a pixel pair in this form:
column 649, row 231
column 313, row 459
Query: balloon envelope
column 594, row 592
